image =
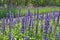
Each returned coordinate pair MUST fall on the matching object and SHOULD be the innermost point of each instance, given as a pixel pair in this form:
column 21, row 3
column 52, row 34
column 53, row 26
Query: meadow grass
column 24, row 10
column 41, row 10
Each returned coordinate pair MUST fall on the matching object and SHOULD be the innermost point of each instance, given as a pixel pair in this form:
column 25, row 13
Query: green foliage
column 23, row 11
column 33, row 2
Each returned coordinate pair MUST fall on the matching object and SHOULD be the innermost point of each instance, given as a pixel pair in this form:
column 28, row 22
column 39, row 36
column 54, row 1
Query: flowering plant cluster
column 31, row 26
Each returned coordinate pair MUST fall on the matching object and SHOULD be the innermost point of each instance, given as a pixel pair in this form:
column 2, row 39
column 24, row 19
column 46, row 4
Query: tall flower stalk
column 23, row 27
column 9, row 36
column 3, row 25
column 10, row 26
column 17, row 17
column 46, row 27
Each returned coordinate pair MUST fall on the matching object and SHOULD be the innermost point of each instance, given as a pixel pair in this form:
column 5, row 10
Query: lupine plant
column 44, row 26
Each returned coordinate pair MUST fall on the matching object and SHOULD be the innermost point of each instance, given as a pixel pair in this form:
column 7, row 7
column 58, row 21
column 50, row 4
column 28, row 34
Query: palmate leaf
column 16, row 32
column 50, row 36
column 39, row 36
column 58, row 25
column 1, row 37
column 5, row 37
column 52, row 23
column 58, row 28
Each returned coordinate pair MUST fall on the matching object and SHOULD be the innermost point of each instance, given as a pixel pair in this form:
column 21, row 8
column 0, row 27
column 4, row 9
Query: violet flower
column 45, row 38
column 42, row 16
column 11, row 17
column 27, row 38
column 17, row 17
column 23, row 26
column 47, row 20
column 9, row 36
column 46, row 26
column 11, row 22
column 27, row 13
column 26, row 22
column 22, row 30
column 3, row 24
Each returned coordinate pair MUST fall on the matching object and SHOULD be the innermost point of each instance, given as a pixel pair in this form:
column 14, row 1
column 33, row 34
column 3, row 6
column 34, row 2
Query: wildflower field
column 34, row 25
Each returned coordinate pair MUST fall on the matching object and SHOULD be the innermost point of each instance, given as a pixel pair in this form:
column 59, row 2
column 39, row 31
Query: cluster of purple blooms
column 27, row 22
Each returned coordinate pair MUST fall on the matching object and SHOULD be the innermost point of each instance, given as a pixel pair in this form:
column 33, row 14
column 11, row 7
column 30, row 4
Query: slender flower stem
column 10, row 26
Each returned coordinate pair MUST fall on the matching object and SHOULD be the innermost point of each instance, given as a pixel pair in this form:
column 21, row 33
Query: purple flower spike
column 59, row 14
column 27, row 38
column 10, row 22
column 11, row 17
column 42, row 16
column 47, row 20
column 46, row 26
column 22, row 30
column 54, row 14
column 17, row 17
column 45, row 38
column 3, row 24
column 9, row 36
column 23, row 26
column 27, row 13
column 45, row 30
